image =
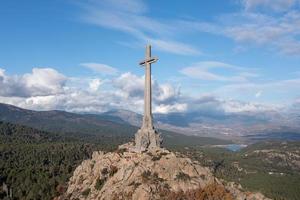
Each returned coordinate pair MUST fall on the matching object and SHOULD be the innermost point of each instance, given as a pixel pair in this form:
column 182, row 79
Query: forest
column 36, row 164
column 270, row 167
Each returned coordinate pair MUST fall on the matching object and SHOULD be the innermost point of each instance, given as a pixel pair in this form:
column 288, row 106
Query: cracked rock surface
column 157, row 174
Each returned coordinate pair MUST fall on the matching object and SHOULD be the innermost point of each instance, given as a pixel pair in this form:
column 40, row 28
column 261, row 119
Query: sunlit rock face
column 155, row 174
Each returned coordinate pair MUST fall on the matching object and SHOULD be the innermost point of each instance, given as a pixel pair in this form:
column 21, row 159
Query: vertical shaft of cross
column 147, row 137
column 147, row 121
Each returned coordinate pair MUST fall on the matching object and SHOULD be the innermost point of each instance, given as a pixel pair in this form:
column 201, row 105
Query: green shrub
column 86, row 192
column 104, row 171
column 182, row 176
column 113, row 170
column 146, row 176
column 99, row 183
column 155, row 158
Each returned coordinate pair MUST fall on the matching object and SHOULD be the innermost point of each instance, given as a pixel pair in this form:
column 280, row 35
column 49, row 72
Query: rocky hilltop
column 156, row 174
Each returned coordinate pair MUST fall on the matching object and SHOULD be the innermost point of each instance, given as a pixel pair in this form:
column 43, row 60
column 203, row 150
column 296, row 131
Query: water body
column 234, row 147
column 231, row 147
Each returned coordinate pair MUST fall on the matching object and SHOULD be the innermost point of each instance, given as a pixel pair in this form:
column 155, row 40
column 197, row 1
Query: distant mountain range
column 223, row 125
column 89, row 126
column 232, row 126
column 61, row 121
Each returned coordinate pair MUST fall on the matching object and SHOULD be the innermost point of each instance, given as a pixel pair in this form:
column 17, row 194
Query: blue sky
column 54, row 52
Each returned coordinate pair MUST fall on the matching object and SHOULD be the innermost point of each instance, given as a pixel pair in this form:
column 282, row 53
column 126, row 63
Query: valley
column 40, row 150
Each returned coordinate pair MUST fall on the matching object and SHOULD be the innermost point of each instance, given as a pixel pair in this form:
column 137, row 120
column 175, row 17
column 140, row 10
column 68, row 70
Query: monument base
column 147, row 139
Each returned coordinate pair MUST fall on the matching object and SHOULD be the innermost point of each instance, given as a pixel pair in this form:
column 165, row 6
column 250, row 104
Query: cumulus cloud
column 42, row 82
column 165, row 109
column 94, row 84
column 129, row 85
column 47, row 89
column 165, row 92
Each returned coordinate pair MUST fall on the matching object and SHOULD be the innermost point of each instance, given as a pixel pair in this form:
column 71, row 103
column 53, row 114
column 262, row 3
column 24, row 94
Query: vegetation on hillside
column 37, row 164
column 272, row 168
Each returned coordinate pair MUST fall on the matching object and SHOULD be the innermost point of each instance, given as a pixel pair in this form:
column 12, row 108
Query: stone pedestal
column 147, row 139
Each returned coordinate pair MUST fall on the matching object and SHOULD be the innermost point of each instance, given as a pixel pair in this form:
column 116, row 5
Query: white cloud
column 47, row 89
column 95, row 84
column 174, row 47
column 201, row 70
column 275, row 5
column 132, row 6
column 248, row 27
column 258, row 94
column 125, row 91
column 240, row 107
column 100, row 68
column 164, row 109
column 131, row 19
column 165, row 92
column 129, row 85
column 42, row 82
column 278, row 32
column 275, row 91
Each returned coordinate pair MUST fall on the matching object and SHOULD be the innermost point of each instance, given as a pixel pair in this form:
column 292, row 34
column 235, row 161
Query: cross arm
column 149, row 61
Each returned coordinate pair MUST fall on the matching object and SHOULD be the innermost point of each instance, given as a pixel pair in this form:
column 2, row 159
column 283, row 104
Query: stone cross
column 147, row 137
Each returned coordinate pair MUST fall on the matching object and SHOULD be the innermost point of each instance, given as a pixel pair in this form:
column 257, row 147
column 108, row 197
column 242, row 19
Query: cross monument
column 147, row 137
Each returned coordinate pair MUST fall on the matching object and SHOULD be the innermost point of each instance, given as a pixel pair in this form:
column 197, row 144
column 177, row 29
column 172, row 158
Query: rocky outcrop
column 157, row 174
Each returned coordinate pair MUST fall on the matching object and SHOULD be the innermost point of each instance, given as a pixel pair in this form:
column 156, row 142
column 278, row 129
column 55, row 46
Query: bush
column 99, row 183
column 104, row 171
column 113, row 170
column 146, row 176
column 155, row 158
column 121, row 151
column 182, row 176
column 86, row 192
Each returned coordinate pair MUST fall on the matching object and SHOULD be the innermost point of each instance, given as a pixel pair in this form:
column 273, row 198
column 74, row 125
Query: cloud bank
column 41, row 82
column 47, row 89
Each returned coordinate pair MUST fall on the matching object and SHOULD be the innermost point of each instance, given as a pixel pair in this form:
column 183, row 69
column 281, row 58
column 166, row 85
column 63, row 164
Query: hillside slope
column 36, row 164
column 61, row 121
column 92, row 126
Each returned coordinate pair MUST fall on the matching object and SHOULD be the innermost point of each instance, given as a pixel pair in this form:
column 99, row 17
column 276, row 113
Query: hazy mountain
column 222, row 125
column 60, row 121
column 113, row 124
column 120, row 122
column 123, row 116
